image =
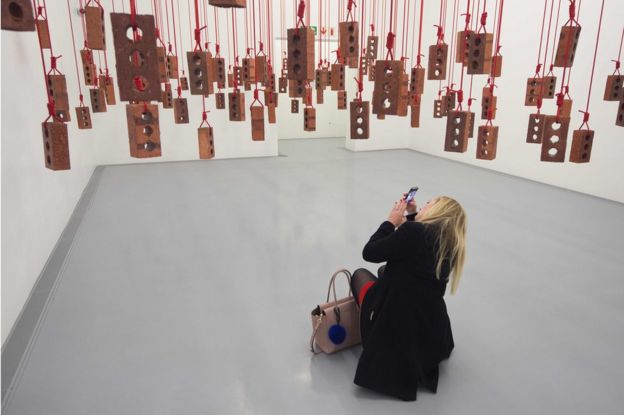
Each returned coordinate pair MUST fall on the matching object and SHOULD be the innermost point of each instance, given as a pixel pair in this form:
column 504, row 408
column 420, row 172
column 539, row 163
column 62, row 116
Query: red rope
column 391, row 36
column 538, row 66
column 552, row 55
column 71, row 28
column 451, row 68
column 591, row 78
column 539, row 98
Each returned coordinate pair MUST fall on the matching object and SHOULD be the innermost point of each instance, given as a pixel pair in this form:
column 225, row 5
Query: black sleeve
column 411, row 217
column 389, row 245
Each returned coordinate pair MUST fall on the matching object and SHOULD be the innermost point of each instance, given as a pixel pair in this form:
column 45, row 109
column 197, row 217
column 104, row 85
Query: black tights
column 361, row 277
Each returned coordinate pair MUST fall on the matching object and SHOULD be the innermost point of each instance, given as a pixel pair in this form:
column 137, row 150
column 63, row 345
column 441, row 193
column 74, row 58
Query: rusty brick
column 566, row 108
column 417, row 81
column 566, row 48
column 238, row 75
column 349, row 39
column 535, row 130
column 438, row 56
column 219, row 70
column 457, row 128
column 283, row 85
column 296, row 89
column 261, row 68
column 220, row 100
column 57, row 88
column 161, row 56
column 98, row 99
column 497, row 66
column 532, row 92
column 371, row 73
column 249, row 70
column 228, row 3
column 320, row 98
column 386, row 93
column 55, row 145
column 415, row 113
column 107, row 83
column 143, row 130
column 199, row 72
column 167, row 96
column 471, row 124
column 184, row 83
column 619, row 121
column 480, row 53
column 257, row 123
column 555, row 139
column 548, row 87
column 337, row 77
column 309, row 119
column 582, row 141
column 136, row 60
column 172, row 67
column 488, row 103
column 83, row 118
column 88, row 67
column 342, row 100
column 372, row 47
column 236, row 102
column 43, row 32
column 17, row 15
column 463, row 42
column 271, row 113
column 359, row 119
column 270, row 97
column 180, row 111
column 96, row 32
column 614, row 89
column 294, row 106
column 206, row 143
column 487, row 141
column 301, row 54
column 437, row 108
column 403, row 95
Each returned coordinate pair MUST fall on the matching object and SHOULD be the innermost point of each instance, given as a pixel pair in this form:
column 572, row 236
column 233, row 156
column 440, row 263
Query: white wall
column 601, row 177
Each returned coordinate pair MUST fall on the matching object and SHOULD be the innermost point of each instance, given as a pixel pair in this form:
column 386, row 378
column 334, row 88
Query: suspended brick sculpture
column 614, row 89
column 167, row 96
column 17, row 15
column 83, row 118
column 96, row 33
column 342, row 100
column 56, row 145
column 359, row 119
column 98, row 99
column 236, row 102
column 535, row 131
column 555, row 138
column 301, row 54
column 180, row 111
column 257, row 123
column 144, row 130
column 172, row 67
column 206, row 143
column 137, row 66
column 220, row 100
column 199, row 72
column 480, row 53
column 57, row 89
column 387, row 87
column 487, row 142
column 582, row 141
column 349, row 40
column 43, row 32
column 107, row 83
column 457, row 128
column 566, row 48
column 294, row 106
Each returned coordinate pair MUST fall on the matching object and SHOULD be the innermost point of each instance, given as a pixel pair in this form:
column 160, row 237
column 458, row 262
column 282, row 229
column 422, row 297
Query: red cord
column 538, row 66
column 591, row 78
column 71, row 28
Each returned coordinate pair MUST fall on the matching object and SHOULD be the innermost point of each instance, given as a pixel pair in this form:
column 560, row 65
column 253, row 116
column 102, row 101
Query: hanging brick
column 238, row 75
column 371, row 73
column 228, row 3
column 270, row 81
column 247, row 86
column 549, row 85
column 438, row 56
column 283, row 85
column 471, row 124
column 349, row 39
column 180, row 111
column 271, row 113
column 184, row 83
column 487, row 142
column 480, row 53
column 309, row 119
column 55, row 145
column 98, row 99
column 88, row 67
column 236, row 101
column 296, row 89
column 107, row 83
column 359, row 119
column 167, row 96
column 582, row 141
column 457, row 128
column 386, row 93
column 206, row 143
column 219, row 70
column 257, row 123
column 43, row 32
column 137, row 64
column 555, row 139
column 57, row 88
column 96, row 33
column 614, row 90
column 143, row 130
column 532, row 92
column 220, row 100
column 535, row 130
column 172, row 67
column 337, row 77
column 249, row 70
column 566, row 108
column 199, row 72
column 566, row 48
column 17, row 15
column 619, row 121
column 403, row 95
column 464, row 38
column 161, row 56
column 365, row 64
column 488, row 103
column 497, row 66
column 301, row 54
column 417, row 81
column 320, row 98
column 437, row 108
column 448, row 102
column 372, row 47
column 294, row 106
column 415, row 112
column 270, row 97
column 342, row 100
column 83, row 118
column 261, row 68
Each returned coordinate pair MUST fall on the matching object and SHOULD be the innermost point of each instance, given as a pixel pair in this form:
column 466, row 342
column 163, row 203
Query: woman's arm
column 388, row 244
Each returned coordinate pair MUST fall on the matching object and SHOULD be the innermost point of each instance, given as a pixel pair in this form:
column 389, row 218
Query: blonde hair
column 447, row 214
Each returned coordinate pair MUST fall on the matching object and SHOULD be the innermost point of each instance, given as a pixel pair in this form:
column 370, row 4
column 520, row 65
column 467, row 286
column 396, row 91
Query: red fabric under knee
column 363, row 291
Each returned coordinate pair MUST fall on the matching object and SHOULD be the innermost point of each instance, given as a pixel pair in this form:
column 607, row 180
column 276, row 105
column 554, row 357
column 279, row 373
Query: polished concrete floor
column 188, row 286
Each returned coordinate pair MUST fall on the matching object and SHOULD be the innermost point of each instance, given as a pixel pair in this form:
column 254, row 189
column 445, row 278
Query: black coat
column 405, row 327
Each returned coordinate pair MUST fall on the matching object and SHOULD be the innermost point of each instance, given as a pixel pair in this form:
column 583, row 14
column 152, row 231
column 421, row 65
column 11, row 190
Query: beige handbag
column 336, row 324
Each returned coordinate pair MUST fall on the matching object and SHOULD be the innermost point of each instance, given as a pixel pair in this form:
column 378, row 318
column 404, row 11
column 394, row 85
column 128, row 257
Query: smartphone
column 411, row 193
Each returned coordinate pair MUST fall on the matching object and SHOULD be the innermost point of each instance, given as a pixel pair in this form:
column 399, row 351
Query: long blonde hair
column 447, row 214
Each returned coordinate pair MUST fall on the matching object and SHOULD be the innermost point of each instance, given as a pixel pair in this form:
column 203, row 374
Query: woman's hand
column 397, row 214
column 411, row 206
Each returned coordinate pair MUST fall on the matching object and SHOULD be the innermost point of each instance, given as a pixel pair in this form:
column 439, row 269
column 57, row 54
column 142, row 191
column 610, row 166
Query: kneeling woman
column 405, row 327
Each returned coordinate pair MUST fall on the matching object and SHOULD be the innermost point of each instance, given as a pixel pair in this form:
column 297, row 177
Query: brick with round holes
column 554, row 142
column 582, row 141
column 83, row 118
column 438, row 56
column 57, row 88
column 387, row 90
column 294, row 106
column 180, row 111
column 359, row 119
column 535, row 130
column 205, row 140
column 88, row 67
column 257, row 123
column 614, row 89
column 337, row 77
column 96, row 33
column 17, row 15
column 301, row 54
column 199, row 72
column 107, row 83
column 566, row 48
column 55, row 145
column 349, row 39
column 480, row 53
column 236, row 105
column 487, row 141
column 342, row 100
column 309, row 119
column 143, row 130
column 456, row 137
column 98, row 99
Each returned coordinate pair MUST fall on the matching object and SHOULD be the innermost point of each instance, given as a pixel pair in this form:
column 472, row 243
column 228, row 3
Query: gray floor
column 188, row 286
